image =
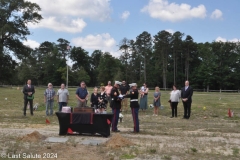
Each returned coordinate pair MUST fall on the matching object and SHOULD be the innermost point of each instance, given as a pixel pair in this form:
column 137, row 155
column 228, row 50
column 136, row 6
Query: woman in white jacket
column 175, row 95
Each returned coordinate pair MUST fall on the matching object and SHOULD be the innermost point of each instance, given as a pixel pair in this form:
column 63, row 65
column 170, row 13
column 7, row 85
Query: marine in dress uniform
column 115, row 105
column 133, row 95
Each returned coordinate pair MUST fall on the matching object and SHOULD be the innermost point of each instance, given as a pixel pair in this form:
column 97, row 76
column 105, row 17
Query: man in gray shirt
column 62, row 97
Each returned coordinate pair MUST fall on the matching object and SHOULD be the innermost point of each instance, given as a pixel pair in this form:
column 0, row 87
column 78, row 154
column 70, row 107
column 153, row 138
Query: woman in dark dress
column 102, row 100
column 94, row 98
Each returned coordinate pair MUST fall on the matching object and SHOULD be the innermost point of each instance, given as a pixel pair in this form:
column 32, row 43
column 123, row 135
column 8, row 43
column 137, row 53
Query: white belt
column 132, row 100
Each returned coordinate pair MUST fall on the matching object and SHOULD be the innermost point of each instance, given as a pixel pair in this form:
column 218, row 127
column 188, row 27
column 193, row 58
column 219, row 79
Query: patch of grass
column 127, row 156
column 152, row 151
column 166, row 157
column 194, row 150
column 160, row 137
column 235, row 151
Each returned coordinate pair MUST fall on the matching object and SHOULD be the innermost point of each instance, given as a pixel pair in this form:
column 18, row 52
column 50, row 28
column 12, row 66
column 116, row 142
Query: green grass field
column 216, row 104
column 208, row 134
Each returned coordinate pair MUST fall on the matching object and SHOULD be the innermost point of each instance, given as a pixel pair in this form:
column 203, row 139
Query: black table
column 100, row 123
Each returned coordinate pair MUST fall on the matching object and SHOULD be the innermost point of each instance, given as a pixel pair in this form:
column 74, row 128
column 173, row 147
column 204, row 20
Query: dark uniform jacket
column 133, row 95
column 115, row 100
column 27, row 89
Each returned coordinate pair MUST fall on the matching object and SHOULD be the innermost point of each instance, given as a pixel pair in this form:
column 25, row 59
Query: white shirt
column 62, row 95
column 142, row 88
column 175, row 95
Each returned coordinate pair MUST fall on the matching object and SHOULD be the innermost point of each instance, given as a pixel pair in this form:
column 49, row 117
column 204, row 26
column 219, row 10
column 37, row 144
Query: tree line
column 160, row 60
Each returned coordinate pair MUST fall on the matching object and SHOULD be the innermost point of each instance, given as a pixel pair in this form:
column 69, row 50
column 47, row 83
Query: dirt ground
column 160, row 138
column 35, row 135
column 208, row 134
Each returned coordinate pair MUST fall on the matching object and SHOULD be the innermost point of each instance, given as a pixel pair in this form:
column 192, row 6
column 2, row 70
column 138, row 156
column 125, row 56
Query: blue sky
column 102, row 24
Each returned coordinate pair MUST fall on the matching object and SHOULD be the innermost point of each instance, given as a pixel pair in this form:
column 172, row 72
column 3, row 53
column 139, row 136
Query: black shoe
column 171, row 117
column 116, row 131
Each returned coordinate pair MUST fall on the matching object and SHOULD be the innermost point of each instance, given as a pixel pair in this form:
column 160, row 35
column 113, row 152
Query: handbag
column 170, row 103
column 30, row 97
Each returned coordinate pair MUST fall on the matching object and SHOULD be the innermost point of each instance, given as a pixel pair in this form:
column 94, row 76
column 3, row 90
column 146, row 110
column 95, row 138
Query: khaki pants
column 109, row 99
column 125, row 104
column 81, row 104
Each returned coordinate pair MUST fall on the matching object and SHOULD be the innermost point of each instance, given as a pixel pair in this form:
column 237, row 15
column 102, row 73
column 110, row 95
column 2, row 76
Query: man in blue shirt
column 81, row 95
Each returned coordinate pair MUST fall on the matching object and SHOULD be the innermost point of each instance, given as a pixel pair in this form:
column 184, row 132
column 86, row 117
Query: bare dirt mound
column 32, row 137
column 117, row 141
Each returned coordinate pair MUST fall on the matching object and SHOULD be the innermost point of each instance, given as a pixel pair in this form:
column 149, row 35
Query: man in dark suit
column 28, row 91
column 186, row 95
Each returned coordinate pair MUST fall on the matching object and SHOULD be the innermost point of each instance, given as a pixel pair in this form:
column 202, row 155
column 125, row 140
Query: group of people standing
column 117, row 97
column 49, row 96
column 175, row 95
column 113, row 96
column 186, row 95
column 144, row 99
column 99, row 100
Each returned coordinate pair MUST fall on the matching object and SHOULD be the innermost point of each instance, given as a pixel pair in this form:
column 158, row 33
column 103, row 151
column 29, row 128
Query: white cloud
column 170, row 31
column 220, row 39
column 31, row 43
column 103, row 42
column 125, row 15
column 61, row 24
column 173, row 12
column 69, row 16
column 216, row 14
column 94, row 9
